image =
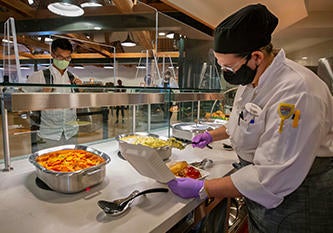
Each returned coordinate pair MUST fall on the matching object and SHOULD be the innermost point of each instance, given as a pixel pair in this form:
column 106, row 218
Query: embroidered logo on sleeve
column 285, row 111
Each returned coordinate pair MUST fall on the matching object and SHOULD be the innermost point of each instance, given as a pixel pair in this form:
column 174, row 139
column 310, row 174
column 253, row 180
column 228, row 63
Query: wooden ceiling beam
column 125, row 6
column 143, row 37
column 160, row 6
column 87, row 44
column 19, row 6
column 25, row 56
column 32, row 44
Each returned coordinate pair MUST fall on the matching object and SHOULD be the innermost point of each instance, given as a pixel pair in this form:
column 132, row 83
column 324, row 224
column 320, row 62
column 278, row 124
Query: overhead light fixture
column 110, row 67
column 79, row 67
column 170, row 35
column 25, row 67
column 141, row 67
column 46, row 39
column 7, row 41
column 44, row 65
column 92, row 3
column 65, row 8
column 161, row 33
column 31, row 2
column 128, row 42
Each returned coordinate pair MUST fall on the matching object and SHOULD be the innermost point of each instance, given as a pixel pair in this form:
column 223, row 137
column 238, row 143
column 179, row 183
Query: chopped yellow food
column 152, row 142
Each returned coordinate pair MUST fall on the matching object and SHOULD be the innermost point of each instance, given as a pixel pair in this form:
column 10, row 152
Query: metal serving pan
column 187, row 130
column 70, row 182
column 163, row 152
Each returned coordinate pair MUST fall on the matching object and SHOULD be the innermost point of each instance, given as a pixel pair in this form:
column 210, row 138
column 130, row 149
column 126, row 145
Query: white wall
column 312, row 53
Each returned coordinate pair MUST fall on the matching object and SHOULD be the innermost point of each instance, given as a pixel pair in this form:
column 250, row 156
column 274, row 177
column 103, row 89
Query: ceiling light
column 170, row 35
column 141, row 67
column 25, row 67
column 65, row 8
column 97, row 28
column 46, row 39
column 31, row 2
column 79, row 67
column 161, row 33
column 7, row 41
column 128, row 42
column 44, row 65
column 90, row 4
column 110, row 67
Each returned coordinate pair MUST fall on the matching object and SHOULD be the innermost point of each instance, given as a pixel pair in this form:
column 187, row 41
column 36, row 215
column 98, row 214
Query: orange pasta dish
column 69, row 160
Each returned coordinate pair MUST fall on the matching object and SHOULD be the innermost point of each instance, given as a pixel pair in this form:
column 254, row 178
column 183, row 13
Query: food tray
column 70, row 182
column 163, row 152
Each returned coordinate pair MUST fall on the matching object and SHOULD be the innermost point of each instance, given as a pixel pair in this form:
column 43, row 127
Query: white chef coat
column 58, row 121
column 280, row 161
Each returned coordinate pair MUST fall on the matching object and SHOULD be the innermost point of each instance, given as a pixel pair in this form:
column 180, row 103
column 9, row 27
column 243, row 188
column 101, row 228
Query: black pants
column 122, row 108
column 309, row 209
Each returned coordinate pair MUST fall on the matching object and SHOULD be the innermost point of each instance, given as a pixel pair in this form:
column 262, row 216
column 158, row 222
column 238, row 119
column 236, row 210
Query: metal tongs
column 203, row 164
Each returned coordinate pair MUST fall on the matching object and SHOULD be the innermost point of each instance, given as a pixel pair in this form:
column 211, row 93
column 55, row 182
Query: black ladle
column 119, row 206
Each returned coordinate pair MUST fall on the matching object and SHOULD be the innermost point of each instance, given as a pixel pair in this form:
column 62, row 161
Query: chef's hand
column 202, row 140
column 186, row 187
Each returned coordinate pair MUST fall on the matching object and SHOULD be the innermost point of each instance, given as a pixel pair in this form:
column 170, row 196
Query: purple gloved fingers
column 186, row 187
column 201, row 140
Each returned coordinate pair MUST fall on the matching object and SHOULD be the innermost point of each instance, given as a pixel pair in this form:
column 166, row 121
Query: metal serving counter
column 25, row 207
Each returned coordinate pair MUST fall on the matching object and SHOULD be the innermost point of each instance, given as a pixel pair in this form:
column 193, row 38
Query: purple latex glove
column 202, row 140
column 186, row 187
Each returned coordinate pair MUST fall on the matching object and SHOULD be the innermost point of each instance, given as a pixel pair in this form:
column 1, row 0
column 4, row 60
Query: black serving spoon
column 119, row 206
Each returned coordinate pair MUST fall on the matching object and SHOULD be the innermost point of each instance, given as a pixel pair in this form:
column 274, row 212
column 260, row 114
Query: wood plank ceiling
column 38, row 48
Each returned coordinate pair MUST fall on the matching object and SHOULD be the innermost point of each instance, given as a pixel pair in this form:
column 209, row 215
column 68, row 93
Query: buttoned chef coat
column 56, row 122
column 280, row 161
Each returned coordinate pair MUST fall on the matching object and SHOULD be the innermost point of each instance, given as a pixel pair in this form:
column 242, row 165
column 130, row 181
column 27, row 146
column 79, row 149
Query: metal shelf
column 40, row 101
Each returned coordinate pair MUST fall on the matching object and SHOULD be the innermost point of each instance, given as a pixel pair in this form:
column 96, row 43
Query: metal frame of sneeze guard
column 35, row 101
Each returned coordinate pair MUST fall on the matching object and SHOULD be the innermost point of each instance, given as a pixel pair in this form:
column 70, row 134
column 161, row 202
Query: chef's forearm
column 219, row 134
column 221, row 188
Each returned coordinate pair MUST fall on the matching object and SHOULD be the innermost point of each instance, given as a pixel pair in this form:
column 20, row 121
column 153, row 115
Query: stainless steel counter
column 25, row 207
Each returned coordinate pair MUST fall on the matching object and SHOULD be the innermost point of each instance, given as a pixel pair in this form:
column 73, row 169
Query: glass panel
column 180, row 65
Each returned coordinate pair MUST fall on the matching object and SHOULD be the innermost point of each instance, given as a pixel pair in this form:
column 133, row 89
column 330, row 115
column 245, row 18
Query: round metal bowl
column 187, row 130
column 163, row 152
column 71, row 182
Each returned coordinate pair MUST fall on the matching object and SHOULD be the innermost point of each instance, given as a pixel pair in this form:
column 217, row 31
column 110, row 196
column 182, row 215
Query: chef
column 281, row 127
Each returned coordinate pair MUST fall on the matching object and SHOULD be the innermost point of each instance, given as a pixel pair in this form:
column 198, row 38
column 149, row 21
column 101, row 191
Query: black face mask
column 243, row 76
